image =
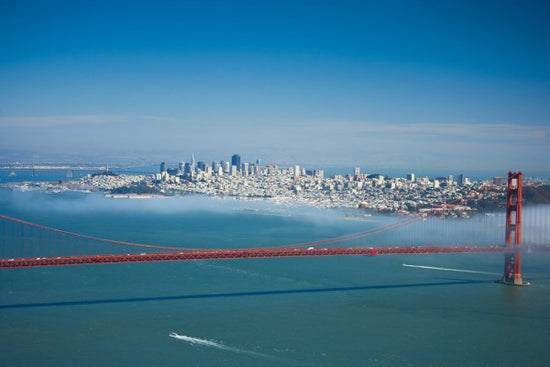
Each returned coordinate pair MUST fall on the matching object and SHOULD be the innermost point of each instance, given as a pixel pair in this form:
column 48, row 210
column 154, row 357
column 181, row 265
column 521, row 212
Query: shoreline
column 281, row 190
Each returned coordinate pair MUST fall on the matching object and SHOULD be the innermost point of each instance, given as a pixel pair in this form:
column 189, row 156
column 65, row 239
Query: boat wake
column 212, row 344
column 449, row 269
column 204, row 342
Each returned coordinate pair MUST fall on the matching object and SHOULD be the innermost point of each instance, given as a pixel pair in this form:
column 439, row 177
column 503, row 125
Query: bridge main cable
column 99, row 239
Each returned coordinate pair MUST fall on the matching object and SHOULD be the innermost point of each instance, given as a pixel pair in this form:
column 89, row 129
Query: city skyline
column 405, row 85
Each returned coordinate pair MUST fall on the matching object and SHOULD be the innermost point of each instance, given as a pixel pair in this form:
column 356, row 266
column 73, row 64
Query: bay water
column 339, row 311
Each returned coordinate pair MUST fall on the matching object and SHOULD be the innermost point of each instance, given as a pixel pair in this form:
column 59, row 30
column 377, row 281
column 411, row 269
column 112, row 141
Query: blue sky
column 403, row 84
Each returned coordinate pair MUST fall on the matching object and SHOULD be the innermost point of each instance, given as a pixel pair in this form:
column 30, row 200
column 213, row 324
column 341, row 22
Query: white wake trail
column 206, row 343
column 212, row 344
column 449, row 269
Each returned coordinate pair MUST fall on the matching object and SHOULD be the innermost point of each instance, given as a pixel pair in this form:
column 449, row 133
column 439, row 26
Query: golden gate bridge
column 27, row 238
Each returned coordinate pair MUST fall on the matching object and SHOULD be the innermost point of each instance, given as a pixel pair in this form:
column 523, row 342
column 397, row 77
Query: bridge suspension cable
column 93, row 238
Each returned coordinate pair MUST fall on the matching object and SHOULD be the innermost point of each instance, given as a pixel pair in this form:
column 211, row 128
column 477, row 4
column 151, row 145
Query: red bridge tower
column 512, row 259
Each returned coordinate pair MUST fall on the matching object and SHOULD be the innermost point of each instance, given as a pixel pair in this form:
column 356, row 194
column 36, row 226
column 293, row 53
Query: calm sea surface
column 345, row 311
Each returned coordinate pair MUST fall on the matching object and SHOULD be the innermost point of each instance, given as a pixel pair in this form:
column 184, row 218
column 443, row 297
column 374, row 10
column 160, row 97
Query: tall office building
column 297, row 171
column 411, row 177
column 187, row 168
column 217, row 169
column 162, row 167
column 193, row 162
column 226, row 166
column 236, row 161
column 460, row 180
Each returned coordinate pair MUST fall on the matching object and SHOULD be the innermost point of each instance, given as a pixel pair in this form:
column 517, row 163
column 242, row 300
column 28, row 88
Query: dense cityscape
column 444, row 196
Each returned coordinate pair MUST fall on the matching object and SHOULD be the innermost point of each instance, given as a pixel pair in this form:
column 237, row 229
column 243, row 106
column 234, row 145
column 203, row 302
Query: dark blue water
column 351, row 311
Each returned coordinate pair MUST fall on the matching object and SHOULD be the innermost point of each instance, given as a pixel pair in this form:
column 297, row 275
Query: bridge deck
column 252, row 253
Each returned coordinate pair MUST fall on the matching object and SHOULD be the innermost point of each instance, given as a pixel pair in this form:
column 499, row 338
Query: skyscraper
column 187, row 169
column 297, row 171
column 460, row 179
column 236, row 161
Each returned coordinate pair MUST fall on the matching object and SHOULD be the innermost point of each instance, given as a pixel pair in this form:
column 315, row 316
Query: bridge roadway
column 251, row 253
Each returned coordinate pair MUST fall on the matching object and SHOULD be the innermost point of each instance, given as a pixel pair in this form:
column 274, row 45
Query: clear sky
column 452, row 85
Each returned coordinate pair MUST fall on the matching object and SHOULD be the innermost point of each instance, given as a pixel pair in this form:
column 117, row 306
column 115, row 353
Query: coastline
column 367, row 195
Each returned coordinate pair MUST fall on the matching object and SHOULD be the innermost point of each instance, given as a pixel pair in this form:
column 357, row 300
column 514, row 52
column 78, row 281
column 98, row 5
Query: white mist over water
column 196, row 220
